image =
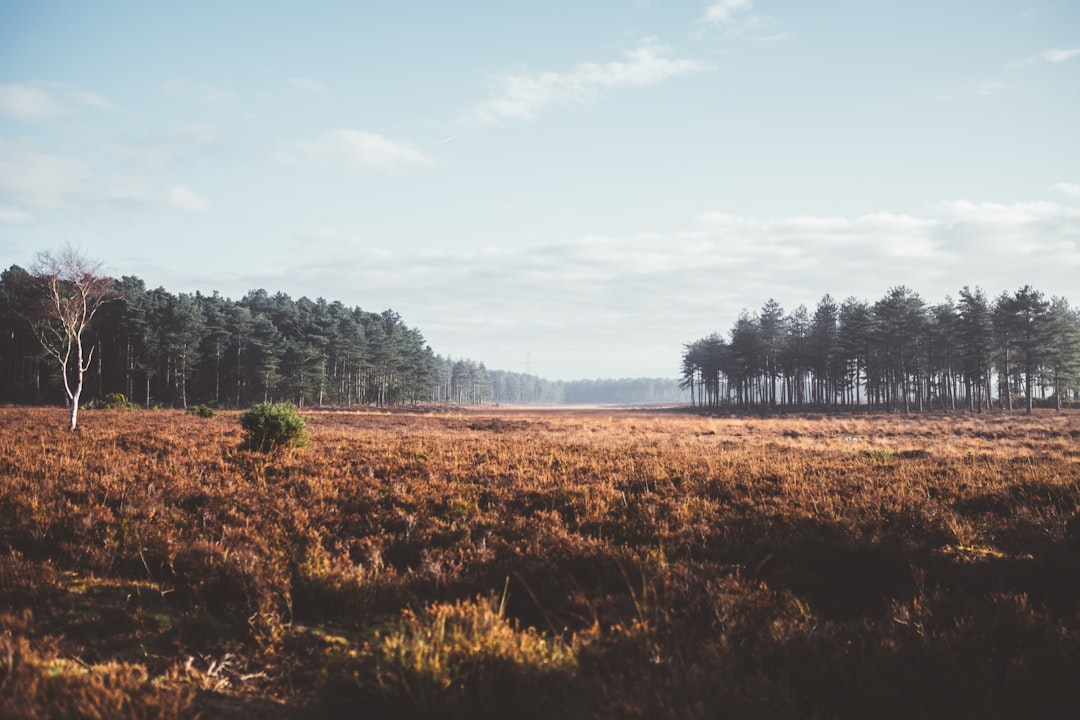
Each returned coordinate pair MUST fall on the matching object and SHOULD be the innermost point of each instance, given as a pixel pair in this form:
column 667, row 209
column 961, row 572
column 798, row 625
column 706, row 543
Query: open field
column 517, row 563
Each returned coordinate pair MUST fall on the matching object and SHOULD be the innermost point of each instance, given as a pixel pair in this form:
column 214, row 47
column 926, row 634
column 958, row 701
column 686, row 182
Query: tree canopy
column 160, row 348
column 898, row 353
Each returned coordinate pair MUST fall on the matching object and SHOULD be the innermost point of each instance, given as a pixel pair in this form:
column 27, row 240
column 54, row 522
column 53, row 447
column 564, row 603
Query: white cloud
column 183, row 199
column 1059, row 56
column 722, row 11
column 45, row 180
column 37, row 101
column 961, row 242
column 1032, row 242
column 523, row 96
column 354, row 148
column 1070, row 189
column 1018, row 213
column 305, row 84
column 48, row 181
column 24, row 102
column 1052, row 56
column 15, row 216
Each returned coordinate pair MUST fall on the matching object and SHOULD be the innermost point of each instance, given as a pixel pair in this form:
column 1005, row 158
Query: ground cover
column 587, row 563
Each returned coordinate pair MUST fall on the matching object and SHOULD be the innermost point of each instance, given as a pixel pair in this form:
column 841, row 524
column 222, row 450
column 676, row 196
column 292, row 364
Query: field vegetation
column 505, row 563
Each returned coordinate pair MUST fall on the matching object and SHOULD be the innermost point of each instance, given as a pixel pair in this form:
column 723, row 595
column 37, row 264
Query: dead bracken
column 475, row 563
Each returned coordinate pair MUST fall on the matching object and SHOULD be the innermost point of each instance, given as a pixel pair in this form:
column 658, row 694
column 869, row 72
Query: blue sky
column 586, row 184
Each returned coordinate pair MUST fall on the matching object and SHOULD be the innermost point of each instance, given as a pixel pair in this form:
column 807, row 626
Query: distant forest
column 511, row 388
column 174, row 350
column 898, row 353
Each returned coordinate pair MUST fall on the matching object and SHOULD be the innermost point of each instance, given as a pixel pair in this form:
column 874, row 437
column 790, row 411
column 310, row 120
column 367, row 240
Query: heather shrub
column 117, row 401
column 270, row 426
column 39, row 682
column 236, row 588
column 464, row 659
column 203, row 411
column 449, row 644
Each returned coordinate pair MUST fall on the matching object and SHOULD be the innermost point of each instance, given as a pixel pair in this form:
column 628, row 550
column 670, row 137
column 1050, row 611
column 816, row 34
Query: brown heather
column 495, row 563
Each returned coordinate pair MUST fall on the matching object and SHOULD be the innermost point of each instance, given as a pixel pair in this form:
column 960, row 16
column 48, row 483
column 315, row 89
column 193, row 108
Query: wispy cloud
column 185, row 200
column 164, row 147
column 1052, row 56
column 29, row 177
column 1070, row 189
column 1060, row 56
column 305, row 84
column 37, row 101
column 354, row 148
column 1035, row 241
column 45, row 181
column 15, row 216
column 735, row 19
column 24, row 102
column 523, row 96
column 724, row 10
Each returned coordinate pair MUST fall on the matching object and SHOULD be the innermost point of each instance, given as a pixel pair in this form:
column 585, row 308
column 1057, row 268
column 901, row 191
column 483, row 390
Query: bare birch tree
column 73, row 288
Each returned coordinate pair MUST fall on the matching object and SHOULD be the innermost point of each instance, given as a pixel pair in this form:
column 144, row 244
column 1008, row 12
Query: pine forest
column 898, row 353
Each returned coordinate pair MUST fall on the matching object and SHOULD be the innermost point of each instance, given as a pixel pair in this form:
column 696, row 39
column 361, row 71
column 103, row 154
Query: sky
column 573, row 189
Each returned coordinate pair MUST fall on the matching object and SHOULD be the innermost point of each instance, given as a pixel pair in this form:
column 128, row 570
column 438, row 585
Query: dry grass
column 580, row 564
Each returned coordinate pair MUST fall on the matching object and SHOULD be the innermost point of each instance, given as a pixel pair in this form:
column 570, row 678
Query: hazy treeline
column 896, row 353
column 469, row 382
column 626, row 391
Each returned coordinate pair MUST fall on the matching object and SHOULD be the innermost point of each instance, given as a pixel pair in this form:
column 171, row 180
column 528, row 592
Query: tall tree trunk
column 183, row 381
column 217, row 370
column 80, row 370
column 1028, row 388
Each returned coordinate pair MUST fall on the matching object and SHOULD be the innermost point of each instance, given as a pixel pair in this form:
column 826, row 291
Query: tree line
column 159, row 348
column 898, row 353
column 163, row 349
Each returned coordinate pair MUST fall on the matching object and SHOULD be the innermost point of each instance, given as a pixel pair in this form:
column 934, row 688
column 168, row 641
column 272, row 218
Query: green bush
column 203, row 411
column 269, row 426
column 117, row 401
